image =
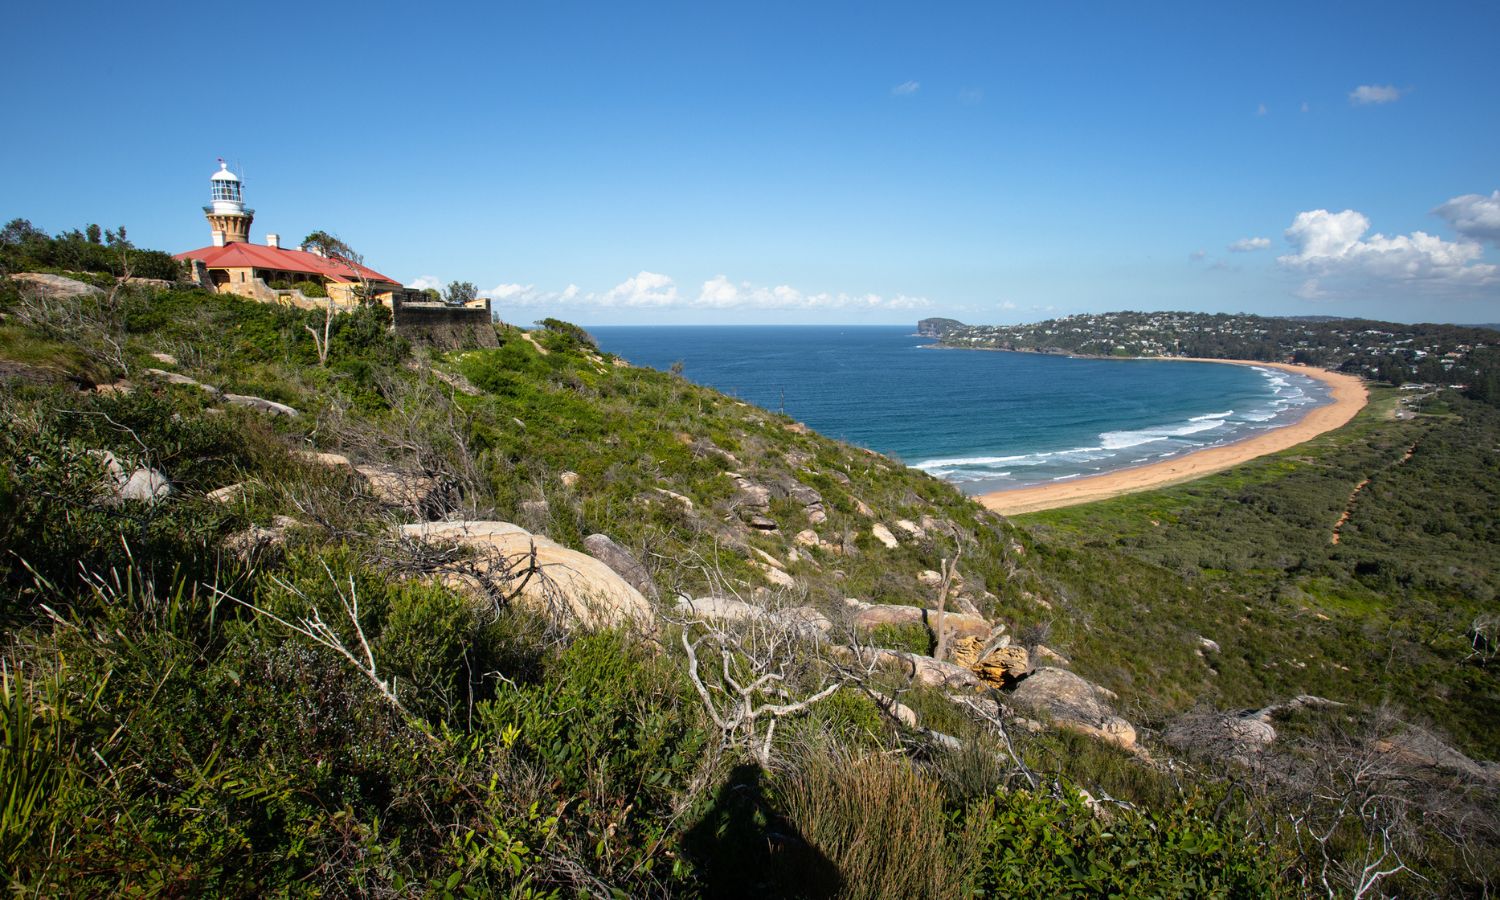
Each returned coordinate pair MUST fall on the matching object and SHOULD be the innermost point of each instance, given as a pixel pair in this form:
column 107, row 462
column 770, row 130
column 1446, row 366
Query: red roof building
column 232, row 264
column 278, row 264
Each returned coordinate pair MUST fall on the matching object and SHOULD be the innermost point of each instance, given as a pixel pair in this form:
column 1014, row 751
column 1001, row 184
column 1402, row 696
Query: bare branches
column 752, row 673
column 940, row 641
column 994, row 720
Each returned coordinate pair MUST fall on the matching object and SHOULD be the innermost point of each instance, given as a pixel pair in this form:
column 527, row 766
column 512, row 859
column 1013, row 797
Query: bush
column 1033, row 845
column 311, row 288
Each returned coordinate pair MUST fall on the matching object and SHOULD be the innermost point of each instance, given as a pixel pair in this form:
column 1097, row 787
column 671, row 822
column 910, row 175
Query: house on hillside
column 234, row 265
column 270, row 273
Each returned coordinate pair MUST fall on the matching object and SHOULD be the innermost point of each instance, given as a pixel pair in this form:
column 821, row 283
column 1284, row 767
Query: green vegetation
column 26, row 248
column 1247, row 560
column 264, row 692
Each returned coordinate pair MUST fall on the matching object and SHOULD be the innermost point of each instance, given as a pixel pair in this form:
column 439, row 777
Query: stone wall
column 448, row 327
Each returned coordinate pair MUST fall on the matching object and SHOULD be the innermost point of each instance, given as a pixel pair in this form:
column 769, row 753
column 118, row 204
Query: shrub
column 1034, row 845
column 311, row 288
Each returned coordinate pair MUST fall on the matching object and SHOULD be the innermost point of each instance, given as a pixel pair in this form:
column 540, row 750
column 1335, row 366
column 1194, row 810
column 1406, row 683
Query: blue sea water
column 984, row 420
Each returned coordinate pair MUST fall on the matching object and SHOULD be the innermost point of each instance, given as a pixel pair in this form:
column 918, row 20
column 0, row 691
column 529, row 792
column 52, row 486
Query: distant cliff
column 938, row 328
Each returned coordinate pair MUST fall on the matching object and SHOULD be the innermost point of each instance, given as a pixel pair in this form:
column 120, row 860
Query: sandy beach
column 1347, row 397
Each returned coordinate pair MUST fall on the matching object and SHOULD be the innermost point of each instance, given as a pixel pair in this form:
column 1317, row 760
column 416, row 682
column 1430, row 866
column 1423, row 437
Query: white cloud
column 1370, row 94
column 520, row 295
column 1474, row 216
column 645, row 289
column 1249, row 245
column 651, row 290
column 1260, row 109
column 425, row 282
column 906, row 88
column 1305, row 107
column 971, row 96
column 1198, row 255
column 721, row 293
column 1333, row 250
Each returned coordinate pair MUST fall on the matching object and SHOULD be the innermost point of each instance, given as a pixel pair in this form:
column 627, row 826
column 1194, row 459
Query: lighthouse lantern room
column 227, row 215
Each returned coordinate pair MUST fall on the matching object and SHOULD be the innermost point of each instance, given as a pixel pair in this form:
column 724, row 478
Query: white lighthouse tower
column 227, row 215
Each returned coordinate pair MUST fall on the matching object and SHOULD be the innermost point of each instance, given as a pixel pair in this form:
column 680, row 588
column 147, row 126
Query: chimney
column 273, row 241
column 218, row 238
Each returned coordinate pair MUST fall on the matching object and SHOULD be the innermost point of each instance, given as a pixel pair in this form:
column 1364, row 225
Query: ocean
column 983, row 420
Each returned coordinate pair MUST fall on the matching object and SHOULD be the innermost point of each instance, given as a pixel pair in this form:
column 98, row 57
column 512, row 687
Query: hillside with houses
column 1384, row 351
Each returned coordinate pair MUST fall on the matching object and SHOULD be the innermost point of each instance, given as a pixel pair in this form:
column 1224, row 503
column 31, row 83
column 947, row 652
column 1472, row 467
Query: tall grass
column 32, row 715
column 877, row 820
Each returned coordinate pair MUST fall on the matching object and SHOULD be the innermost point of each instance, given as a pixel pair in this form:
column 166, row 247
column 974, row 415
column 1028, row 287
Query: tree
column 18, row 232
column 461, row 292
column 331, row 247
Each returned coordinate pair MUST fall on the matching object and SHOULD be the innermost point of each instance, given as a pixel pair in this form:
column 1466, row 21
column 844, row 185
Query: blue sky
column 799, row 162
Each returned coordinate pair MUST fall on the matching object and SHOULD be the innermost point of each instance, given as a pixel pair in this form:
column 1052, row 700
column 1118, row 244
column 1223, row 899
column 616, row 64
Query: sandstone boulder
column 1003, row 666
column 911, row 528
column 262, row 404
column 1050, row 656
column 139, row 485
column 1074, row 703
column 926, row 670
column 174, row 378
column 145, row 486
column 804, row 619
column 56, row 286
column 230, row 493
column 884, row 536
column 331, row 460
column 419, row 494
column 623, row 562
column 778, row 577
column 258, row 539
column 675, row 497
column 871, row 615
column 574, row 587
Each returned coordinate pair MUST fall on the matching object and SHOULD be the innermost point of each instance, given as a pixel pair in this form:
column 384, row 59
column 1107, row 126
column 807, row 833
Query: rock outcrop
column 1074, row 703
column 175, row 378
column 871, row 615
column 56, row 286
column 419, row 494
column 258, row 539
column 927, row 670
column 139, row 485
column 623, row 562
column 261, row 404
column 574, row 587
column 804, row 619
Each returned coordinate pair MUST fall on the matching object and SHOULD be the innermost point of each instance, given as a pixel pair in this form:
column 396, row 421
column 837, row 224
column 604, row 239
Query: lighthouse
column 227, row 215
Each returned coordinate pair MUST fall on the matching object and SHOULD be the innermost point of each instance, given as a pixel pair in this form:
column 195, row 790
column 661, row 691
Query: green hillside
column 226, row 671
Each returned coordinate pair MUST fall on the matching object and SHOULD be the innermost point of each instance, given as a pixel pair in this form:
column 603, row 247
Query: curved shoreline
column 1347, row 396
